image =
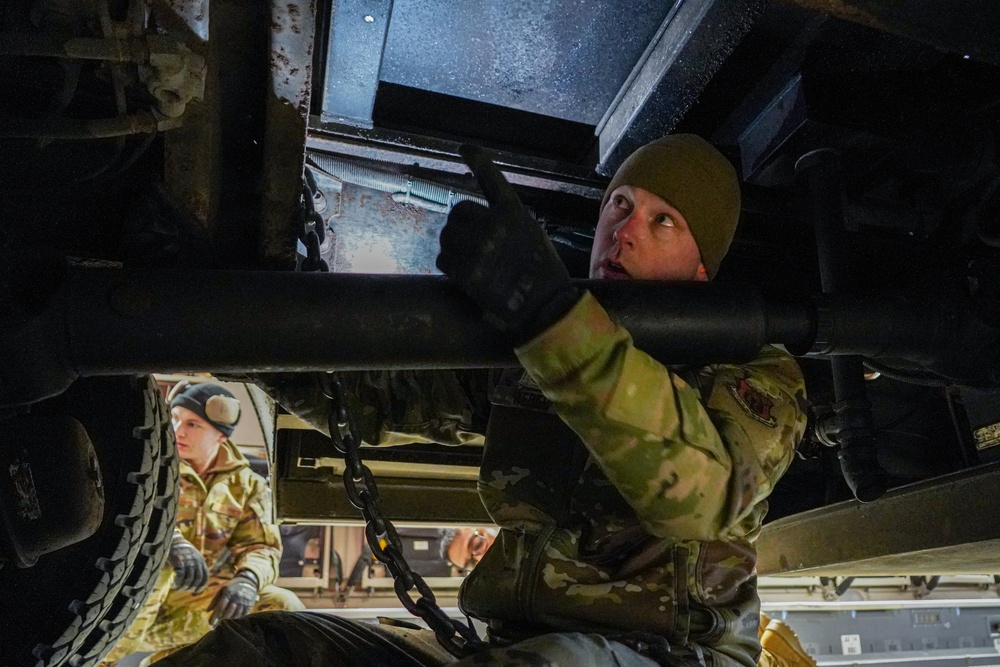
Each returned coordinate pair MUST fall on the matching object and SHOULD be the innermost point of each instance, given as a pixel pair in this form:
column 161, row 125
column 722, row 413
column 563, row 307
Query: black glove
column 236, row 599
column 189, row 564
column 503, row 259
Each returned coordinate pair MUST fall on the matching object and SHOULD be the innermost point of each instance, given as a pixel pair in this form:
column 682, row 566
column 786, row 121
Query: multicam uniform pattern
column 643, row 530
column 650, row 526
column 226, row 516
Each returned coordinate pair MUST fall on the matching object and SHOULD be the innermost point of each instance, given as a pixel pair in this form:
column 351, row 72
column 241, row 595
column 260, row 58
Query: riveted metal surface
column 353, row 59
column 561, row 58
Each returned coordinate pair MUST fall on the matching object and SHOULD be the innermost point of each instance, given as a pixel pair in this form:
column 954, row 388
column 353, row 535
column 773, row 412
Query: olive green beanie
column 696, row 179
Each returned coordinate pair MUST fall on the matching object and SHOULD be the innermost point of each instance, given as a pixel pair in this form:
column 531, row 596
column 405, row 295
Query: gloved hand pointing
column 236, row 599
column 503, row 259
column 189, row 565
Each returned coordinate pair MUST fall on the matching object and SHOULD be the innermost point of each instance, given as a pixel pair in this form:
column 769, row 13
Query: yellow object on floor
column 781, row 647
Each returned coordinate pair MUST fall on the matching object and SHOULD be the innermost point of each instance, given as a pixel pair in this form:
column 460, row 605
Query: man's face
column 469, row 546
column 641, row 237
column 197, row 440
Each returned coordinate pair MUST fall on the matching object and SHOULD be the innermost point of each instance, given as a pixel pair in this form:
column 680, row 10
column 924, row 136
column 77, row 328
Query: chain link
column 312, row 228
column 456, row 637
column 416, row 596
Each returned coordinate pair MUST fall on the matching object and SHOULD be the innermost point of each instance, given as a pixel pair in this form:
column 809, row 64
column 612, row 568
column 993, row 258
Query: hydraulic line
column 855, row 430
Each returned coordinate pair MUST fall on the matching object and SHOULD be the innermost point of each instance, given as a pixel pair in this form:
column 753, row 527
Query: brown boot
column 781, row 647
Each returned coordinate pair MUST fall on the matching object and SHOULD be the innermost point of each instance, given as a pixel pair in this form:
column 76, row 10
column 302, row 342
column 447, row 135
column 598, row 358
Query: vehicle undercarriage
column 255, row 191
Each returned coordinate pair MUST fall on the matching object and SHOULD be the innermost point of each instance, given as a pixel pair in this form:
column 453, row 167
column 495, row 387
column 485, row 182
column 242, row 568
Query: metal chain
column 312, row 229
column 456, row 637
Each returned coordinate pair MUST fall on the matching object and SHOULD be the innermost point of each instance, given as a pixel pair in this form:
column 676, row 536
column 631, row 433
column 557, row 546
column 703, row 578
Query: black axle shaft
column 114, row 321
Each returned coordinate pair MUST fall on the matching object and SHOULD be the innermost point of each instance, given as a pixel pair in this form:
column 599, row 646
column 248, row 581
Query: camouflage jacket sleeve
column 255, row 543
column 692, row 467
column 447, row 407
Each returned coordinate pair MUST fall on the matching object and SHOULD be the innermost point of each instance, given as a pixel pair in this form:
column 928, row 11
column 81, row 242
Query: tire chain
column 457, row 638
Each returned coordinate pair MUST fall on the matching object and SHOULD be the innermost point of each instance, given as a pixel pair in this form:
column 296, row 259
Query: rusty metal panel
column 293, row 28
column 214, row 162
column 191, row 152
column 374, row 234
column 948, row 525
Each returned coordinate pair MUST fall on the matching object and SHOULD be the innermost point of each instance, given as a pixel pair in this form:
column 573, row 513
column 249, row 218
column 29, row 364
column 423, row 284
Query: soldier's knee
column 273, row 598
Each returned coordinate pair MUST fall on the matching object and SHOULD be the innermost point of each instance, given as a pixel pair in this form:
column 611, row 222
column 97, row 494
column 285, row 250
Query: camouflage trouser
column 173, row 619
column 324, row 640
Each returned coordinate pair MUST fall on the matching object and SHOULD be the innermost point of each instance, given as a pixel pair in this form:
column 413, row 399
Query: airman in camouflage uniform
column 224, row 513
column 628, row 494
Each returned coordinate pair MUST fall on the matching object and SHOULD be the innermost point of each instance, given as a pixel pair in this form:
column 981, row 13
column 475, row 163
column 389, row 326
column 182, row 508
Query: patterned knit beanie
column 213, row 403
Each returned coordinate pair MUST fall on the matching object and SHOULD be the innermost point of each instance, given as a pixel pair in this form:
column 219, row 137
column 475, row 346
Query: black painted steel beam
column 356, row 43
column 691, row 44
column 113, row 322
column 967, row 28
column 120, row 322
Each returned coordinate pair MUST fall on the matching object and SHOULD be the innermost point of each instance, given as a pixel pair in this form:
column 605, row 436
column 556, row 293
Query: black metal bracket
column 852, row 412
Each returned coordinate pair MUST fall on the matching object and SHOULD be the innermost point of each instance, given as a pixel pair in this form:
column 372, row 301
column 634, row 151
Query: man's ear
column 701, row 276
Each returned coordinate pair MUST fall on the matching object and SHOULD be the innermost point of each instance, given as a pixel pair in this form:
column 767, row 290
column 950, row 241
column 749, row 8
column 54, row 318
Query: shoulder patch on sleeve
column 754, row 402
